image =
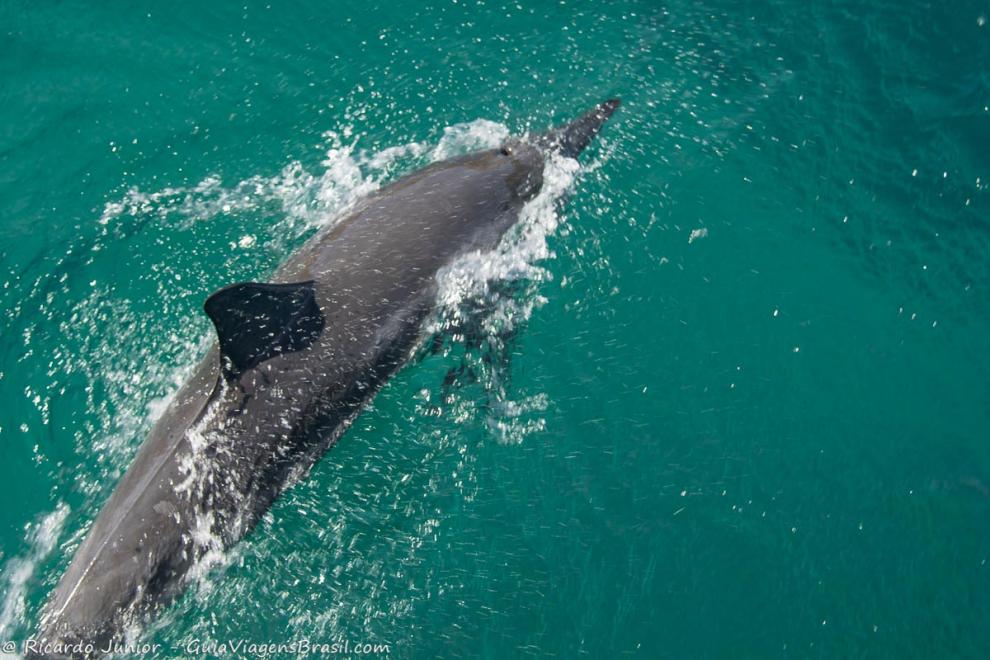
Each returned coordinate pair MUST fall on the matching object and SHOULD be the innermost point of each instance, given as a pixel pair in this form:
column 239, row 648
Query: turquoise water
column 743, row 408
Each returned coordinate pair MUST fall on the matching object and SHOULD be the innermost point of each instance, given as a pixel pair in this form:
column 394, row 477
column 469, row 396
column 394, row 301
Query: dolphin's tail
column 571, row 138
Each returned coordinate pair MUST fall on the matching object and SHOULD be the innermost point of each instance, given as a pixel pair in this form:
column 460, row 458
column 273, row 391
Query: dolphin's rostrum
column 295, row 360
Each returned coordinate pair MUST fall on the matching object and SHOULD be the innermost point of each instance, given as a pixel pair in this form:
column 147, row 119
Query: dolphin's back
column 295, row 360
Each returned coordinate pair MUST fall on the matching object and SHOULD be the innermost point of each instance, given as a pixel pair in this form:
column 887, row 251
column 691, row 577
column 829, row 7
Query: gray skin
column 296, row 361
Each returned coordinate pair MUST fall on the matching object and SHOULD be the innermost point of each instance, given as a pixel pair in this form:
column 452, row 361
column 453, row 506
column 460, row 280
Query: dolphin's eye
column 506, row 151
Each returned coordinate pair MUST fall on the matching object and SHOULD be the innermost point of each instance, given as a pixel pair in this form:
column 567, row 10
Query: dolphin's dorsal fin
column 257, row 321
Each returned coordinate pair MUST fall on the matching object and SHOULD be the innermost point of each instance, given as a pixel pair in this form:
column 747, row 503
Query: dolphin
column 294, row 361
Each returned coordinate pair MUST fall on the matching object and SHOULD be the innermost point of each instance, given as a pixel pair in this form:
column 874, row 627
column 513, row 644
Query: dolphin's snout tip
column 605, row 110
column 571, row 139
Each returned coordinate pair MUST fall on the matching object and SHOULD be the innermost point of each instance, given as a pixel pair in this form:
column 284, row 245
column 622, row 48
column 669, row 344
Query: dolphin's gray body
column 295, row 361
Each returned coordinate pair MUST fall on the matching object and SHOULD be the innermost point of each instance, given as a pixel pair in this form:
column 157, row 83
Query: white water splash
column 306, row 199
column 17, row 574
column 697, row 234
column 461, row 139
column 520, row 252
column 518, row 257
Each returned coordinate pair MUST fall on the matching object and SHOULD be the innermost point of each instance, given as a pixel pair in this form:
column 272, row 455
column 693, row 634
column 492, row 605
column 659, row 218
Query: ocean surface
column 724, row 394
